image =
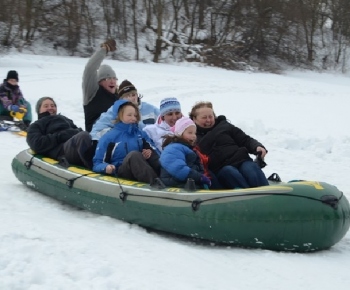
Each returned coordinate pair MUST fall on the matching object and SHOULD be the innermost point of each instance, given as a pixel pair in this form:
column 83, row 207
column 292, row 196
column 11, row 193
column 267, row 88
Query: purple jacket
column 10, row 95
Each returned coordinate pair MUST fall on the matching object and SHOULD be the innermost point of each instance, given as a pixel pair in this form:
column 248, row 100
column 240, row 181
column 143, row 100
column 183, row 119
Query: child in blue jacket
column 126, row 150
column 178, row 160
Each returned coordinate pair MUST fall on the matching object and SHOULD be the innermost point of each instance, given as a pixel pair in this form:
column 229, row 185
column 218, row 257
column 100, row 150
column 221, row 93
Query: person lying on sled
column 126, row 150
column 12, row 102
column 56, row 136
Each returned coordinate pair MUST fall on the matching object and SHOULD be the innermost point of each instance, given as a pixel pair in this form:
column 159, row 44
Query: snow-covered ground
column 301, row 117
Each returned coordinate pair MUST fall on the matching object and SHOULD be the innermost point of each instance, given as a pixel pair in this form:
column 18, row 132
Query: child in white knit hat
column 179, row 160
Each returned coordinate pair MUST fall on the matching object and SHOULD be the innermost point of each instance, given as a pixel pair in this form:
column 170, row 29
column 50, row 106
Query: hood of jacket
column 116, row 107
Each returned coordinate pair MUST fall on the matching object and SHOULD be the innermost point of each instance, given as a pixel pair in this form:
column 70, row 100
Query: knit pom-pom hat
column 168, row 105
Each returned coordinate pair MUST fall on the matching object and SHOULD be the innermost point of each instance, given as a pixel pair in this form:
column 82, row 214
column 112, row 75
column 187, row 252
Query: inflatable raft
column 299, row 216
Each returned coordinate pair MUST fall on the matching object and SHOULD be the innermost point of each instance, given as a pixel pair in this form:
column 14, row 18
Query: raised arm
column 90, row 79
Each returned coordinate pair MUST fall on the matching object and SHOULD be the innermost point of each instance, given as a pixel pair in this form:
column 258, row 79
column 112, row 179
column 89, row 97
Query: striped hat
column 168, row 105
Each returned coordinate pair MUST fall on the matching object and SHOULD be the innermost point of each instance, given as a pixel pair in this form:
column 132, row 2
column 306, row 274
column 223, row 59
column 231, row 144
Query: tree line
column 233, row 34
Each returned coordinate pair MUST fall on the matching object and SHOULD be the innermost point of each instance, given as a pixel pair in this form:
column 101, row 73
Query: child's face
column 190, row 134
column 129, row 115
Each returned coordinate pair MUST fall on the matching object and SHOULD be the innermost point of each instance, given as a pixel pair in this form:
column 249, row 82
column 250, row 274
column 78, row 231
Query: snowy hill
column 301, row 117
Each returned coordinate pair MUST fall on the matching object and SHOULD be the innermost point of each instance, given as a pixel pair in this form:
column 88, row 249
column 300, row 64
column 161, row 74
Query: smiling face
column 204, row 117
column 190, row 134
column 129, row 114
column 171, row 118
column 48, row 106
column 109, row 84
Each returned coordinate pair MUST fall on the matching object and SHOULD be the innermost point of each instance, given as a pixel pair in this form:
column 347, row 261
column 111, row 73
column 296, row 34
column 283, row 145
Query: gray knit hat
column 40, row 101
column 105, row 71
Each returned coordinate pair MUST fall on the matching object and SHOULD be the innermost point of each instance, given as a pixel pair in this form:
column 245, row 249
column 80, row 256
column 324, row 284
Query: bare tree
column 135, row 26
column 340, row 16
column 310, row 12
column 226, row 33
column 88, row 27
column 8, row 22
column 158, row 46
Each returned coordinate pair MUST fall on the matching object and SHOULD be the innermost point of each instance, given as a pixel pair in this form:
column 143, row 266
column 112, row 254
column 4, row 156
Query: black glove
column 65, row 135
column 110, row 45
column 259, row 160
column 145, row 144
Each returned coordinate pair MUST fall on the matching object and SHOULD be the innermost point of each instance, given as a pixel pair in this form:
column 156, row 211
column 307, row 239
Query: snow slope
column 301, row 117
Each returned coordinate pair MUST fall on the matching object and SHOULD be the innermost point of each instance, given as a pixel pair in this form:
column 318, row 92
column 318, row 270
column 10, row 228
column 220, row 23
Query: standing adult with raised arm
column 99, row 85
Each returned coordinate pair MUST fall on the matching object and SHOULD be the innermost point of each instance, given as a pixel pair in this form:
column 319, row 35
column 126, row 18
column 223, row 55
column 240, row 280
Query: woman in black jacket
column 56, row 136
column 228, row 148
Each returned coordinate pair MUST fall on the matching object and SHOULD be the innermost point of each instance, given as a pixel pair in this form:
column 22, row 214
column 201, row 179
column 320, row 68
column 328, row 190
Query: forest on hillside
column 233, row 34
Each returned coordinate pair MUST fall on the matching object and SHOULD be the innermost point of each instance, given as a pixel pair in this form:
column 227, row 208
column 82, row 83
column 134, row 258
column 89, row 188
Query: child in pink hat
column 179, row 161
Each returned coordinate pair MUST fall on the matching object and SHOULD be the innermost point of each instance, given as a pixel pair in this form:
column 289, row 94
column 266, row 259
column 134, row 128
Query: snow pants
column 76, row 149
column 136, row 167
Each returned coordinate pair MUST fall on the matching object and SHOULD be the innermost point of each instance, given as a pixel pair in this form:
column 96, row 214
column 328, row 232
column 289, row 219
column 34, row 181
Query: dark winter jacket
column 96, row 99
column 102, row 101
column 179, row 162
column 47, row 135
column 225, row 144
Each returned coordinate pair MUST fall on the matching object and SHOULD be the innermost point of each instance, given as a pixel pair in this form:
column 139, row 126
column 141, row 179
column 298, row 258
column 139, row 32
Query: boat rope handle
column 69, row 181
column 29, row 163
column 123, row 194
column 196, row 203
column 330, row 200
column 327, row 199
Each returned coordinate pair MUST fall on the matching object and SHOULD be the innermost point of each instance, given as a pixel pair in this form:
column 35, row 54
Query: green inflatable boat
column 299, row 216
